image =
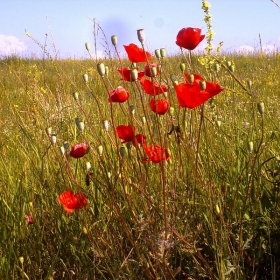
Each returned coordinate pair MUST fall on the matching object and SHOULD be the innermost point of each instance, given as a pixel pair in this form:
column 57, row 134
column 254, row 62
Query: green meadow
column 197, row 198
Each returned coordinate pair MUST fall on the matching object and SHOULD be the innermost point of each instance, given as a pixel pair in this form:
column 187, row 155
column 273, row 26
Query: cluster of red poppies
column 190, row 94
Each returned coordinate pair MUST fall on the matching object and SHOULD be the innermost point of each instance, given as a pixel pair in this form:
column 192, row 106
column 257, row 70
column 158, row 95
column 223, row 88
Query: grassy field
column 211, row 211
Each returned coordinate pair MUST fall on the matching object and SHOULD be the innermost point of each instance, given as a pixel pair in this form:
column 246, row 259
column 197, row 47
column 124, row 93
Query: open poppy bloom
column 126, row 74
column 189, row 38
column 156, row 153
column 71, row 201
column 127, row 133
column 152, row 88
column 159, row 106
column 147, row 69
column 79, row 150
column 191, row 95
column 136, row 54
column 29, row 219
column 118, row 95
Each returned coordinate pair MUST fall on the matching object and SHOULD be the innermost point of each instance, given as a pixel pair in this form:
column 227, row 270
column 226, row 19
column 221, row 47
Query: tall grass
column 209, row 212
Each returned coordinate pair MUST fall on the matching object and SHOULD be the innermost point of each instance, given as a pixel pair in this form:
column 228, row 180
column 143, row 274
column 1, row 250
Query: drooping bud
column 106, row 70
column 191, row 78
column 232, row 68
column 261, row 108
column 53, row 139
column 219, row 123
column 101, row 69
column 87, row 44
column 153, row 71
column 123, row 151
column 85, row 77
column 217, row 67
column 249, row 84
column 228, row 63
column 163, row 52
column 134, row 74
column 62, row 149
column 141, row 36
column 100, row 150
column 76, row 96
column 114, row 40
column 88, row 165
column 250, row 147
column 80, row 125
column 183, row 67
column 134, row 65
column 202, row 85
column 132, row 109
column 66, row 145
column 143, row 119
column 106, row 125
column 129, row 145
column 157, row 53
column 49, row 131
column 171, row 111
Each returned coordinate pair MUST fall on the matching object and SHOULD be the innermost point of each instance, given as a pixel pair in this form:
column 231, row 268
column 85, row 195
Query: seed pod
column 157, row 53
column 114, row 40
column 162, row 52
column 101, row 69
column 85, row 77
column 183, row 67
column 261, row 108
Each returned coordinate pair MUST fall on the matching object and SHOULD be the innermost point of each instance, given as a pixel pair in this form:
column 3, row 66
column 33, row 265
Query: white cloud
column 269, row 49
column 11, row 45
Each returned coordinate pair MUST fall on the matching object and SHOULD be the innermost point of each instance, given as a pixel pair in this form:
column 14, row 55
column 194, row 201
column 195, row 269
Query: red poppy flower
column 118, row 95
column 71, row 201
column 29, row 219
column 136, row 54
column 159, row 106
column 126, row 74
column 79, row 150
column 189, row 38
column 152, row 88
column 156, row 153
column 127, row 133
column 191, row 95
column 147, row 69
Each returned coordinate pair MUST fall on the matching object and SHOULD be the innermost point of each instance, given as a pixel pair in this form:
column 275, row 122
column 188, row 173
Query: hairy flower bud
column 191, row 78
column 162, row 52
column 261, row 108
column 132, row 109
column 249, row 84
column 123, row 151
column 157, row 53
column 100, row 150
column 106, row 70
column 76, row 96
column 87, row 44
column 141, row 36
column 114, row 40
column 202, row 85
column 250, row 147
column 134, row 74
column 85, row 77
column 101, row 69
column 183, row 67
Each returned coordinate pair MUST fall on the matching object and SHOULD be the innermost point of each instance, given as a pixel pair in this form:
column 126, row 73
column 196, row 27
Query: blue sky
column 237, row 23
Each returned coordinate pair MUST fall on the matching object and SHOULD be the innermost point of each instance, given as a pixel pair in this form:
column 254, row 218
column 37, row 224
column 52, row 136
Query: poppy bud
column 85, row 77
column 157, row 53
column 153, row 71
column 76, row 96
column 129, row 145
column 49, row 131
column 66, row 145
column 217, row 67
column 85, row 230
column 219, row 123
column 109, row 174
column 122, row 151
column 249, row 84
column 132, row 110
column 261, row 108
column 106, row 70
column 183, row 67
column 106, row 125
column 88, row 165
column 162, row 52
column 141, row 36
column 191, row 78
column 134, row 65
column 202, row 85
column 134, row 74
column 81, row 126
column 53, row 139
column 101, row 69
column 218, row 209
column 114, row 40
column 87, row 44
column 143, row 119
column 100, row 150
column 228, row 63
column 62, row 149
column 171, row 111
column 250, row 147
column 232, row 68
